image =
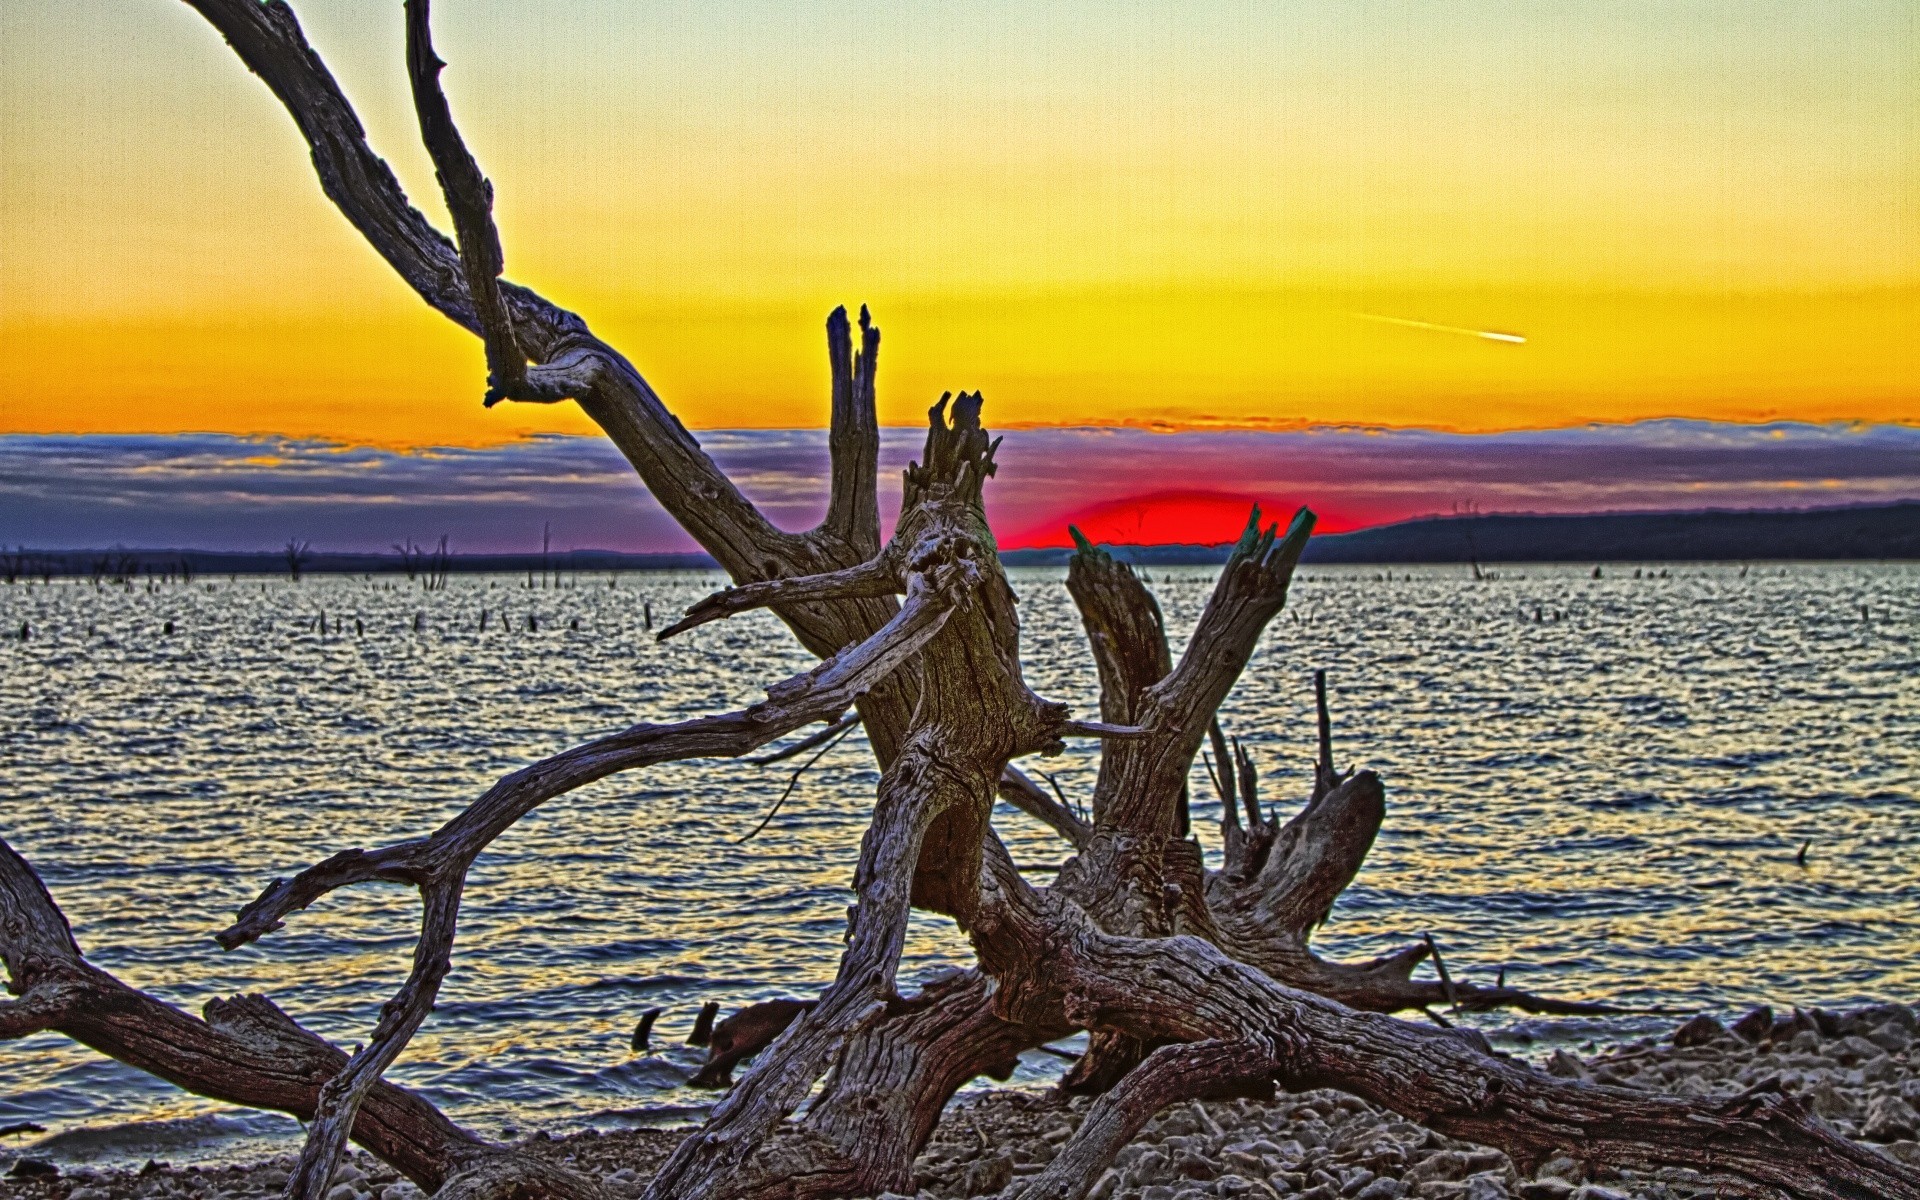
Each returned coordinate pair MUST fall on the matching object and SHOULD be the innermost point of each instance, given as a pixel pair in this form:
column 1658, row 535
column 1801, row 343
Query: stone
column 1547, row 1187
column 1559, row 1166
column 985, row 1177
column 1756, row 1026
column 1891, row 1037
column 1786, row 1027
column 88, row 1193
column 342, row 1191
column 1486, row 1186
column 401, row 1191
column 1854, row 1049
column 1699, row 1031
column 1446, row 1165
column 1566, row 1066
column 1152, row 1167
column 33, row 1168
column 1195, row 1166
column 1382, row 1189
column 1594, row 1191
column 1890, row 1119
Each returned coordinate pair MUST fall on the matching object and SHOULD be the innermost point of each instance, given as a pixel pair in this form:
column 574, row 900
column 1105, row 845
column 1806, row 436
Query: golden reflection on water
column 1599, row 784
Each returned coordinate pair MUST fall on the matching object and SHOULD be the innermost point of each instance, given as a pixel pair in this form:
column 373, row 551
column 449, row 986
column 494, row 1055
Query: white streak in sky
column 1489, row 334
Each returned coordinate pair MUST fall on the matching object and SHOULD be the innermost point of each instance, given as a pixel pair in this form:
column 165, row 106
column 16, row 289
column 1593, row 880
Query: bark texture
column 1189, row 981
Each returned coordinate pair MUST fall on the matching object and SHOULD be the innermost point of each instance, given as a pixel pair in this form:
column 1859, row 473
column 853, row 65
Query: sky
column 1238, row 217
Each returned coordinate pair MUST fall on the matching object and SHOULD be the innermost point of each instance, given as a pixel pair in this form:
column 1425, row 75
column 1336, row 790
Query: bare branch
column 1100, row 729
column 267, row 37
column 438, row 864
column 827, row 734
column 819, row 694
column 1169, row 1074
column 1183, row 989
column 1144, row 789
column 1325, row 778
column 853, row 439
column 245, row 1052
column 876, row 577
column 836, row 731
column 470, row 200
column 1021, row 792
column 341, row 1099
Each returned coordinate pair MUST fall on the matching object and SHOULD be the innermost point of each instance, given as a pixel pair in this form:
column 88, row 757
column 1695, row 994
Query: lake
column 1599, row 784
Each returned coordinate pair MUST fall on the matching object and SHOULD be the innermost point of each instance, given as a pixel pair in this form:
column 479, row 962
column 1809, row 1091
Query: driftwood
column 1190, row 982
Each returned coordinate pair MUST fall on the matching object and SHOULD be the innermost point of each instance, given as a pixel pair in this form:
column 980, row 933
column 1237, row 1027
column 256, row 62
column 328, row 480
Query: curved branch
column 1183, row 989
column 876, row 577
column 469, row 199
column 1168, row 1075
column 1030, row 798
column 438, row 864
column 819, row 694
column 268, row 39
column 245, row 1052
column 818, row 738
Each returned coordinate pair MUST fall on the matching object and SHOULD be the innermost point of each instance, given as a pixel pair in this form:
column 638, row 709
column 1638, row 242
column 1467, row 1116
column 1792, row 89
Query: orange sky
column 1097, row 216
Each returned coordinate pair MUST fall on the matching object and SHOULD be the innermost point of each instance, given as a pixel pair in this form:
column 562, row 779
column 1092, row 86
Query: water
column 1600, row 784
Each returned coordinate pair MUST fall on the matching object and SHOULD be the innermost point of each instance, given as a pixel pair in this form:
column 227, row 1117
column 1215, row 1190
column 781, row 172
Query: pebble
column 1857, row 1071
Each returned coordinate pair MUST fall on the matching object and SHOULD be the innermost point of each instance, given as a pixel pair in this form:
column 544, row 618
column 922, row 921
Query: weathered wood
column 246, row 1051
column 1134, row 942
column 438, row 864
column 1183, row 989
column 1169, row 1074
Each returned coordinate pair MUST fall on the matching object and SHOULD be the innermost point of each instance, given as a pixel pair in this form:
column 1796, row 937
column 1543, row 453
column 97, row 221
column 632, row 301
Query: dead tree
column 1189, row 981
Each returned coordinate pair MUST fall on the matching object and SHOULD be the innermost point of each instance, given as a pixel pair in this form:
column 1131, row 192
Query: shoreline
column 1858, row 1071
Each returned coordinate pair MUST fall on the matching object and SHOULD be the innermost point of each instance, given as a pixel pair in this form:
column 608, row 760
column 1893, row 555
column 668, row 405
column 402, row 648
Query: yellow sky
column 1097, row 214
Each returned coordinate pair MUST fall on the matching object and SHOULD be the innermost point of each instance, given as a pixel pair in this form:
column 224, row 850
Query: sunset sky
column 1170, row 217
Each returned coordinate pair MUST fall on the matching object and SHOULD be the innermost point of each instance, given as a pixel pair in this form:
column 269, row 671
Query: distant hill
column 1890, row 531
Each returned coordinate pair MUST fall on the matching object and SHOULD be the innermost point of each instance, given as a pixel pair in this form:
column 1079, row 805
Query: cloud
column 218, row 491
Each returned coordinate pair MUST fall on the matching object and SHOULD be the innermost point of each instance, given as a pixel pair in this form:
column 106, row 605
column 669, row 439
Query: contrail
column 1489, row 334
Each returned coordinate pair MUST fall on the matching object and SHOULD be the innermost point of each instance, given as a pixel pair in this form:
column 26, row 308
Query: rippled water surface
column 1599, row 784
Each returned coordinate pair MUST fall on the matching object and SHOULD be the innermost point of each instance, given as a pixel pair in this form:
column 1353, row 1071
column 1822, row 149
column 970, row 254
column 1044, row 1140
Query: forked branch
column 438, row 864
column 245, row 1052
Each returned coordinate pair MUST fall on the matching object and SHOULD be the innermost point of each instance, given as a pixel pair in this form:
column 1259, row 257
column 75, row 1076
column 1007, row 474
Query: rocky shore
column 1858, row 1071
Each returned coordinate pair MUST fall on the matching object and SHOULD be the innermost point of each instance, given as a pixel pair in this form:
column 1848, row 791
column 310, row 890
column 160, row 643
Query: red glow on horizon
column 1167, row 518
